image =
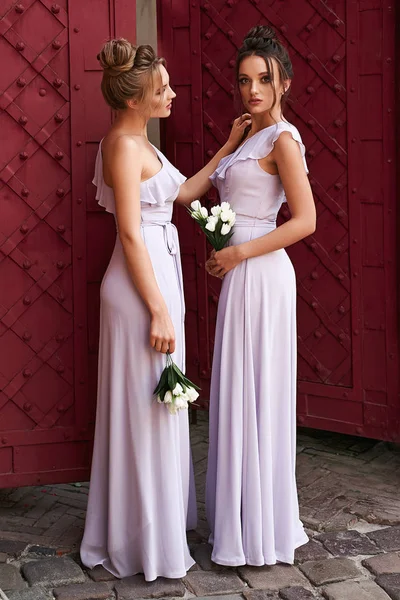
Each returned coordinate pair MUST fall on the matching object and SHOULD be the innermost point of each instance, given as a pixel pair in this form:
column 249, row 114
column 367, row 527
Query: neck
column 132, row 122
column 266, row 119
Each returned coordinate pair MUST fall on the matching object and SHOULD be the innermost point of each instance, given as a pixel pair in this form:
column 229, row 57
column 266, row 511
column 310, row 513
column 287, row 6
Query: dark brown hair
column 262, row 41
column 127, row 71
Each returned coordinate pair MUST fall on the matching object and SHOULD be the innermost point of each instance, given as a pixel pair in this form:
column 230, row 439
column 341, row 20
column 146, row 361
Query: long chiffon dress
column 141, row 497
column 251, row 495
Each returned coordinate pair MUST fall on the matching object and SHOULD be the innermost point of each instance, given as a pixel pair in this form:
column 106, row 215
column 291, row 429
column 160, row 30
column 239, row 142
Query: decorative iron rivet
column 206, row 7
column 79, row 257
column 23, row 120
column 80, row 325
column 19, row 8
column 208, row 35
column 354, row 140
column 61, row 297
column 23, row 155
column 60, row 369
column 389, row 110
column 27, row 373
column 204, row 372
column 196, row 98
column 352, row 89
column 20, row 46
column 310, row 27
column 310, row 57
column 27, row 300
column 215, row 299
column 341, row 336
column 21, row 82
column 355, row 274
column 200, row 265
column 27, row 265
column 389, row 160
column 314, row 305
column 319, row 367
column 209, row 94
column 230, row 34
column 61, row 407
column 300, row 419
column 61, row 228
column 283, row 27
column 311, row 122
column 77, row 87
column 26, row 336
column 210, row 125
column 232, row 92
column 60, row 192
column 359, row 430
column 210, row 153
column 338, row 249
column 208, row 66
column 389, row 60
column 60, row 264
column 318, row 334
column 55, row 9
column 338, row 186
column 42, row 92
column 314, row 275
column 59, row 155
column 59, row 338
column 338, row 152
column 76, row 29
column 352, row 41
column 57, row 82
column 356, row 332
column 27, row 406
column 194, row 52
column 231, row 63
column 79, row 201
column 340, row 214
column 229, row 3
column 79, row 144
column 58, row 118
column 336, row 58
column 338, row 123
column 56, row 44
column 312, row 182
column 345, row 395
column 354, row 191
column 337, row 87
column 314, row 246
column 25, row 192
column 336, row 23
column 4, row 440
column 310, row 89
column 24, row 228
column 310, row 153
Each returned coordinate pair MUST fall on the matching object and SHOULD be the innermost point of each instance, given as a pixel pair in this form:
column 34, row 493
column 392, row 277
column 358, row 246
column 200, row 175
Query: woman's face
column 162, row 94
column 256, row 87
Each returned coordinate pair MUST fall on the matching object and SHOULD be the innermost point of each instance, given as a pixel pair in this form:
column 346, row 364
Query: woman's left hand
column 238, row 129
column 220, row 263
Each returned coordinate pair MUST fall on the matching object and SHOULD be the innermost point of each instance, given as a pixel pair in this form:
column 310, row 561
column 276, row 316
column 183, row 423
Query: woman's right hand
column 162, row 333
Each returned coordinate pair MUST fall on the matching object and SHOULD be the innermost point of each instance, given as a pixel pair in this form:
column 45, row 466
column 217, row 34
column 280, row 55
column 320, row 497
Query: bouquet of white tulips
column 174, row 389
column 218, row 225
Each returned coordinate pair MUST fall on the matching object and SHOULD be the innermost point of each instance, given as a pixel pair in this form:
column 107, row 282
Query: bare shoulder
column 123, row 145
column 285, row 142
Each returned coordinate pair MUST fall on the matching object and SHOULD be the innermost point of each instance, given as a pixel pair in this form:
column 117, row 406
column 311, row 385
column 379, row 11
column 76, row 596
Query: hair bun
column 260, row 36
column 117, row 56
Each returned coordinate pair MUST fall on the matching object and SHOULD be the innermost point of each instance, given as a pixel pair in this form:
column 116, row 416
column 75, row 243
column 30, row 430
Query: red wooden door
column 343, row 103
column 52, row 244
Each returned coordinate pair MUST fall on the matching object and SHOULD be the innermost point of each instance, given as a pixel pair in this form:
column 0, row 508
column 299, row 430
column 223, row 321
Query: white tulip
column 159, row 400
column 225, row 214
column 178, row 390
column 172, row 408
column 168, row 397
column 225, row 229
column 210, row 226
column 204, row 212
column 216, row 211
column 192, row 394
column 196, row 205
column 225, row 206
column 181, row 402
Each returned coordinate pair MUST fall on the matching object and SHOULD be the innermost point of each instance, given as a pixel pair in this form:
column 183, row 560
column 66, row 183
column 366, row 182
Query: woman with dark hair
column 251, row 496
column 139, row 500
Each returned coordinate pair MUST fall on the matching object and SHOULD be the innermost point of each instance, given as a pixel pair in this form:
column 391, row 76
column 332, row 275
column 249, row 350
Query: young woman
column 139, row 501
column 251, row 496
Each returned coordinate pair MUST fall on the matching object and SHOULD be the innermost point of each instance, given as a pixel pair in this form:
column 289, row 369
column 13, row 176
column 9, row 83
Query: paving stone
column 13, row 548
column 348, row 543
column 354, row 590
column 99, row 573
column 227, row 597
column 36, row 593
column 311, row 551
column 83, row 591
column 259, row 595
column 134, row 587
column 53, row 572
column 383, row 563
column 207, row 583
column 297, row 593
column 391, row 584
column 272, row 578
column 3, row 557
column 387, row 539
column 202, row 555
column 330, row 571
column 10, row 578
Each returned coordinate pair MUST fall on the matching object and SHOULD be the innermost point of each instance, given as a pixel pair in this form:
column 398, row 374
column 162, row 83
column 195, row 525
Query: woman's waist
column 249, row 228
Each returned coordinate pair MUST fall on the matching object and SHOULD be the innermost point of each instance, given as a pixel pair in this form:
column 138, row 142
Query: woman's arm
column 199, row 184
column 299, row 197
column 126, row 169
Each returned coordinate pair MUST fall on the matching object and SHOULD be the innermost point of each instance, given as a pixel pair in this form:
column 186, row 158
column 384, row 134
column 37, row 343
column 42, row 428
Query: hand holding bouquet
column 174, row 389
column 218, row 225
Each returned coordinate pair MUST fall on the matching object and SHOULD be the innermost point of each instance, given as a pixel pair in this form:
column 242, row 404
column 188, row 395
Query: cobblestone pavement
column 349, row 490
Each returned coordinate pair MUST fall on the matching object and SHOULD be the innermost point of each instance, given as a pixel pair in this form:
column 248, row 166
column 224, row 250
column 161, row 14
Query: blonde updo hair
column 127, row 71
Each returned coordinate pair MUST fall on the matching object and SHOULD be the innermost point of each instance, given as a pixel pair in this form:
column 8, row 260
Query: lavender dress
column 251, row 496
column 141, row 495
